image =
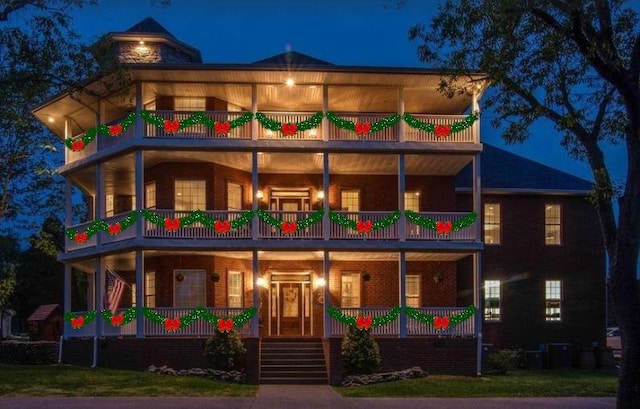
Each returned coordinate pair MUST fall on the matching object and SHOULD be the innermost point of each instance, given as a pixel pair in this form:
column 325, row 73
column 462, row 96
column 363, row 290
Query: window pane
column 134, row 294
column 553, row 300
column 234, row 196
column 412, row 201
column 492, row 300
column 189, row 104
column 350, row 295
column 350, row 200
column 492, row 223
column 150, row 289
column 108, row 211
column 189, row 288
column 552, row 223
column 235, row 289
column 150, row 195
column 190, row 195
column 413, row 290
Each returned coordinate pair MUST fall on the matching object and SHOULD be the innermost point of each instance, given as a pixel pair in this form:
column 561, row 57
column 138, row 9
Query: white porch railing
column 389, row 134
column 415, row 232
column 87, row 330
column 338, row 328
column 108, row 141
column 286, row 118
column 129, row 233
column 339, row 232
column 266, row 231
column 465, row 328
column 198, row 328
column 71, row 244
column 198, row 131
column 72, row 156
column 416, row 135
column 197, row 230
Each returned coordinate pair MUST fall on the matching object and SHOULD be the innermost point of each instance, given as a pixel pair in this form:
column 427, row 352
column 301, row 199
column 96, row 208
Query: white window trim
column 485, row 298
column 357, row 275
column 241, row 295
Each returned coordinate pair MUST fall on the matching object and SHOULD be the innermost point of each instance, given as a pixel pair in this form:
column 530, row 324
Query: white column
column 67, row 294
column 139, row 124
column 402, row 222
column 254, row 109
column 99, row 283
column 100, row 117
column 99, row 202
column 255, row 324
column 401, row 124
column 475, row 107
column 326, row 264
column 254, row 189
column 403, row 294
column 477, row 196
column 325, row 109
column 67, row 134
column 140, row 293
column 326, row 226
column 68, row 209
column 139, row 191
column 477, row 280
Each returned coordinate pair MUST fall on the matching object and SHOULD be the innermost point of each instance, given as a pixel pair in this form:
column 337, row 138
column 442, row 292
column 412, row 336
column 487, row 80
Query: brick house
column 311, row 194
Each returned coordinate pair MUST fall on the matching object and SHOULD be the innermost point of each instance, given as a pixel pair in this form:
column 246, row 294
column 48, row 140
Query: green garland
column 100, row 225
column 107, row 130
column 315, row 218
column 392, row 315
column 196, row 119
column 429, row 223
column 383, row 123
column 273, row 125
column 343, row 221
column 120, row 319
column 429, row 319
column 198, row 216
column 350, row 320
column 78, row 322
column 415, row 123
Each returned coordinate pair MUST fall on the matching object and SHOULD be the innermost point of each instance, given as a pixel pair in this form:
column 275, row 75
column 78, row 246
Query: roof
column 43, row 312
column 149, row 26
column 500, row 169
column 292, row 59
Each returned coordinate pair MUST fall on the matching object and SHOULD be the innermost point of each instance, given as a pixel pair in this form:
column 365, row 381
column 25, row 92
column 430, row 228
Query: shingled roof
column 292, row 59
column 43, row 312
column 148, row 26
column 505, row 170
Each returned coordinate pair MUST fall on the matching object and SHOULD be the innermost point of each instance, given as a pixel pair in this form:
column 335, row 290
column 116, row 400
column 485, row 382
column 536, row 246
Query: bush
column 34, row 353
column 360, row 352
column 504, row 359
column 225, row 351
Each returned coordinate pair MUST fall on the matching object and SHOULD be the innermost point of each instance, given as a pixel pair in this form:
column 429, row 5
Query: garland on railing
column 439, row 130
column 197, row 216
column 100, row 225
column 442, row 228
column 364, row 128
column 364, row 226
column 290, row 227
column 290, row 128
column 107, row 130
column 441, row 323
column 171, row 126
column 170, row 324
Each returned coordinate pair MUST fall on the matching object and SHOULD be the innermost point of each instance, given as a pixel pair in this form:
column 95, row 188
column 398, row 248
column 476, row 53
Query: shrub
column 225, row 351
column 360, row 352
column 19, row 352
column 503, row 360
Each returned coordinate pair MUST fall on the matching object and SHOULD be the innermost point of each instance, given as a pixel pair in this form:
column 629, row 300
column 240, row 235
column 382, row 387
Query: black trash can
column 559, row 356
column 534, row 359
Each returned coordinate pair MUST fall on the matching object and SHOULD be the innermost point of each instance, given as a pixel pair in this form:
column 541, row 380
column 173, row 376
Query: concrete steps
column 292, row 361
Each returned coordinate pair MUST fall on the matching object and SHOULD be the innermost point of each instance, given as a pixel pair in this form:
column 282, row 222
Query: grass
column 542, row 383
column 62, row 380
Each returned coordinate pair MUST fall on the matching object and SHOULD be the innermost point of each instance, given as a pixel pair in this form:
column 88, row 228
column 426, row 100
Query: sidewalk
column 304, row 397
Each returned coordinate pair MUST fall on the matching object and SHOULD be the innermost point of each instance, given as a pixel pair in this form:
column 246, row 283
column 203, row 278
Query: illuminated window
column 234, row 289
column 350, row 200
column 150, row 195
column 552, row 224
column 492, row 300
column 189, row 104
column 133, row 294
column 553, row 300
column 190, row 195
column 350, row 294
column 189, row 288
column 108, row 210
column 150, row 289
column 234, row 196
column 413, row 291
column 412, row 201
column 491, row 223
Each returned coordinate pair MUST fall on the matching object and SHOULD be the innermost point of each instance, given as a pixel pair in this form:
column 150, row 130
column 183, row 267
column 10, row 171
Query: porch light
column 290, row 82
column 259, row 195
column 320, row 195
column 320, row 282
column 51, row 120
column 261, row 282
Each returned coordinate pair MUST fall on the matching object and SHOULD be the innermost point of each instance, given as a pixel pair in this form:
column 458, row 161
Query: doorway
column 290, row 306
column 290, row 200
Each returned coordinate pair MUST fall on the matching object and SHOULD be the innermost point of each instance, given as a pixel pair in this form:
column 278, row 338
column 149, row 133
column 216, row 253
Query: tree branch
column 11, row 7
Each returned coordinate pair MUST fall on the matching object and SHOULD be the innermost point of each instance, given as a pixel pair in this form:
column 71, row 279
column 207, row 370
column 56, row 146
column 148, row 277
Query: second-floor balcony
column 275, row 225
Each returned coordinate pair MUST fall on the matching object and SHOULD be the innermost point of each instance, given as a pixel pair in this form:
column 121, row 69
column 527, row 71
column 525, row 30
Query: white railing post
column 140, row 292
column 254, row 109
column 402, row 222
column 403, row 294
column 477, row 274
column 326, row 225
column 325, row 109
column 401, row 124
column 255, row 329
column 326, row 294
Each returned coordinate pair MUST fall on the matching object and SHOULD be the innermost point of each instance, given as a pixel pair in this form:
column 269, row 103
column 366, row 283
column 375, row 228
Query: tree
column 9, row 251
column 575, row 63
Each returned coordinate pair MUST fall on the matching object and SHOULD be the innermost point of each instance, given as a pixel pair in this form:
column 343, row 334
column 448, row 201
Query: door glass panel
column 290, row 306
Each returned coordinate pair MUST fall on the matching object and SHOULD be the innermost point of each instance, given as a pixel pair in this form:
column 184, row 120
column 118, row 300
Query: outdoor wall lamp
column 320, row 195
column 438, row 278
column 320, row 282
column 261, row 282
column 259, row 194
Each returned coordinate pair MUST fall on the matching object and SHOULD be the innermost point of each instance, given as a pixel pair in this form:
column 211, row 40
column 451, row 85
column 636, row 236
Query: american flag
column 115, row 287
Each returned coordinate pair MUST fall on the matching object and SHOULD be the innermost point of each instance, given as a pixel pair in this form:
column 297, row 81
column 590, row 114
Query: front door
column 290, row 307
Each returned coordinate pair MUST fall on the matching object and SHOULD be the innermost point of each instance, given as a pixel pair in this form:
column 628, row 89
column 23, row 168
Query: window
column 189, row 288
column 350, row 294
column 108, row 209
column 190, row 195
column 412, row 201
column 234, row 289
column 350, row 200
column 150, row 289
column 234, row 196
column 492, row 300
column 552, row 224
column 189, row 104
column 150, row 195
column 413, row 291
column 553, row 299
column 133, row 294
column 492, row 223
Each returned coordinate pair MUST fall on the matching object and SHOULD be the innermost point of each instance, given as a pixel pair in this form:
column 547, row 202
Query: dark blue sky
column 344, row 32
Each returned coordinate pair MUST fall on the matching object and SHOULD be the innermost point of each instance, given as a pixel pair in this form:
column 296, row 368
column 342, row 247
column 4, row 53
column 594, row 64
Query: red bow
column 222, row 227
column 171, row 225
column 289, row 129
column 81, row 237
column 172, row 324
column 77, row 146
column 115, row 130
column 171, row 126
column 444, row 228
column 115, row 229
column 441, row 322
column 364, row 322
column 363, row 129
column 223, row 128
column 442, row 130
column 117, row 319
column 225, row 325
column 364, row 227
column 77, row 322
column 289, row 227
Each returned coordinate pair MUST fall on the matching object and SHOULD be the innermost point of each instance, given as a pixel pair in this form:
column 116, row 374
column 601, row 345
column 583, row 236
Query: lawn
column 551, row 383
column 62, row 380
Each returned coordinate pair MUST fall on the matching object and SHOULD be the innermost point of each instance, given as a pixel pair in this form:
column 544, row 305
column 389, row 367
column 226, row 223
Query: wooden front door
column 291, row 309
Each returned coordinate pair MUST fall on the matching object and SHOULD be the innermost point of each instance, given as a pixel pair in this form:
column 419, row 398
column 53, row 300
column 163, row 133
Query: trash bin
column 559, row 355
column 534, row 359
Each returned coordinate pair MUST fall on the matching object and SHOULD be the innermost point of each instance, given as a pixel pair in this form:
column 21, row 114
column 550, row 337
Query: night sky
column 343, row 32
